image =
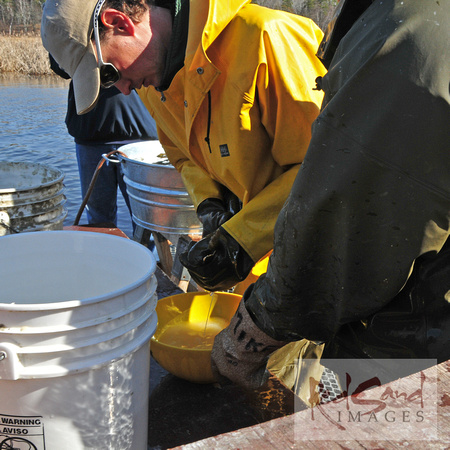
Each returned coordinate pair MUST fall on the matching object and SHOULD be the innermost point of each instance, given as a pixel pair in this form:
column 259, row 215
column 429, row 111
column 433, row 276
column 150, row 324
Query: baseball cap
column 66, row 31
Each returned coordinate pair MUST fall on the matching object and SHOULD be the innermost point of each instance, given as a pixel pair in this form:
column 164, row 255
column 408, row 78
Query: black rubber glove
column 241, row 351
column 217, row 262
column 212, row 213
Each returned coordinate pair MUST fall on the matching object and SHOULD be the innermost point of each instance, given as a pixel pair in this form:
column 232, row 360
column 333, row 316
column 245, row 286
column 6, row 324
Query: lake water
column 32, row 129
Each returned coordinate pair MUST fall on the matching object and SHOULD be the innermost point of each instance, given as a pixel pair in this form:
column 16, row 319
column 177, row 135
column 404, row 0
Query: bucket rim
column 70, row 304
column 91, row 335
column 145, row 164
column 143, row 144
column 59, row 177
column 29, row 202
column 143, row 334
column 53, row 212
column 45, row 225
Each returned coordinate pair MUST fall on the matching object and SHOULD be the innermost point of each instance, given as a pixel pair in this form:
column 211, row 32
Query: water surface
column 32, row 129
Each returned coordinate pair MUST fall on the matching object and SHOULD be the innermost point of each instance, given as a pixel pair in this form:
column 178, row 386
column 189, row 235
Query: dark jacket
column 373, row 192
column 116, row 117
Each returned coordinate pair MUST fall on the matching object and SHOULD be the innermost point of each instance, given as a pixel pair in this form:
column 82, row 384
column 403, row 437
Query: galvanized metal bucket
column 158, row 198
column 31, row 198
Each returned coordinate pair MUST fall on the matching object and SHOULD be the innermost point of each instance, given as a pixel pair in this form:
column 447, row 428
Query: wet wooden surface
column 316, row 429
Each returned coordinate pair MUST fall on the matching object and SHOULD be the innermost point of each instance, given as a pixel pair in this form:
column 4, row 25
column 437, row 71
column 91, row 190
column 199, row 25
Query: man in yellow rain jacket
column 231, row 88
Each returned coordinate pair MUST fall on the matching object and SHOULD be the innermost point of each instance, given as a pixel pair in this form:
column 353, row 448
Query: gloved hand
column 241, row 351
column 212, row 213
column 217, row 262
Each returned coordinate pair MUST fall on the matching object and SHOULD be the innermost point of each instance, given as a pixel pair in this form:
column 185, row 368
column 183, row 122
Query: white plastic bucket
column 77, row 311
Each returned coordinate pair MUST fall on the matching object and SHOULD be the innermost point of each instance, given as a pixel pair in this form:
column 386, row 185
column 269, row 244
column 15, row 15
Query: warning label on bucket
column 21, row 433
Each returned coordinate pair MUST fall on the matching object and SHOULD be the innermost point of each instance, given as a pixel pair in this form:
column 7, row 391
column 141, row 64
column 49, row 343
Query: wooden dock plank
column 284, row 432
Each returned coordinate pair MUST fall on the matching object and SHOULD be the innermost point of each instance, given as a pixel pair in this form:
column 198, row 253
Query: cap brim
column 86, row 82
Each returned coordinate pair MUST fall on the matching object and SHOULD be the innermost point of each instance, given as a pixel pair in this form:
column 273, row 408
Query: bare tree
column 23, row 13
column 20, row 15
column 7, row 14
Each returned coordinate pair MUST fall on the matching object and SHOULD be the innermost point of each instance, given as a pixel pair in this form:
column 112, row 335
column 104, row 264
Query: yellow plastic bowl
column 183, row 339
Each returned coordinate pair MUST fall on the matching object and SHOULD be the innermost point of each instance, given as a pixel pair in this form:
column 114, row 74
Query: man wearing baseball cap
column 231, row 86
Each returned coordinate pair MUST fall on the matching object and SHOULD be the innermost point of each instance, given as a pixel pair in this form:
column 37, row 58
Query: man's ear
column 118, row 21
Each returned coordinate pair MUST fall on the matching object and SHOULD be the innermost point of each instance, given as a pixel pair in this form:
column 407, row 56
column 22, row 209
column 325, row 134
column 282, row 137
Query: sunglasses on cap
column 109, row 75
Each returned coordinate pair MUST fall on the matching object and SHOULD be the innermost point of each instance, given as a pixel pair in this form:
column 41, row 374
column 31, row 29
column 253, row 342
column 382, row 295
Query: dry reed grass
column 24, row 54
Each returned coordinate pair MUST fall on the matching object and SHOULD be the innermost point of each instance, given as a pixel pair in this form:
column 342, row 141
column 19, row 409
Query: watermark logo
column 372, row 399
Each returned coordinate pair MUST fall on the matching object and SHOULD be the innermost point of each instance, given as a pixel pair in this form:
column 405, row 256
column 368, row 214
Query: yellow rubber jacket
column 239, row 112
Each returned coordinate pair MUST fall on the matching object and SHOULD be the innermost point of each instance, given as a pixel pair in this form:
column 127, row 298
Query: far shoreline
column 24, row 55
column 13, row 78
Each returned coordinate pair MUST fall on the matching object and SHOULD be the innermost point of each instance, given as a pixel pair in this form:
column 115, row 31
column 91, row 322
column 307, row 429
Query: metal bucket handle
column 105, row 157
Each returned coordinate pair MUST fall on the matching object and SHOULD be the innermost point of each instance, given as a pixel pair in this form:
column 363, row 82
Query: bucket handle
column 10, row 366
column 105, row 157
